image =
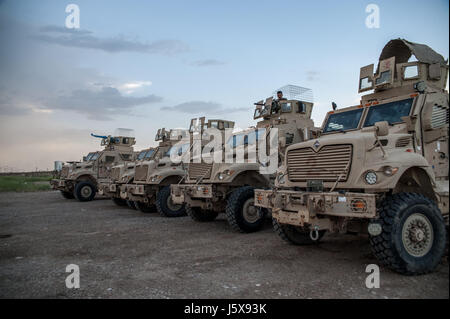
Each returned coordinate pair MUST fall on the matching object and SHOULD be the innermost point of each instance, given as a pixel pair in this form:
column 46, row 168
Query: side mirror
column 382, row 128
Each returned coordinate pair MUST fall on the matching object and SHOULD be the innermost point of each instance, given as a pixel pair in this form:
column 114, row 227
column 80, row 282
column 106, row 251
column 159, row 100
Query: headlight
column 370, row 178
column 154, row 178
column 281, row 178
column 226, row 173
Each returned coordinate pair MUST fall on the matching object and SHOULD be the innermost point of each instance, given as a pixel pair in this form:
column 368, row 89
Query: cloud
column 207, row 62
column 86, row 40
column 130, row 87
column 202, row 107
column 97, row 104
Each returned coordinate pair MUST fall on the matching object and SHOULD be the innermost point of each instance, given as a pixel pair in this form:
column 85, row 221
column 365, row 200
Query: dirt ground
column 124, row 253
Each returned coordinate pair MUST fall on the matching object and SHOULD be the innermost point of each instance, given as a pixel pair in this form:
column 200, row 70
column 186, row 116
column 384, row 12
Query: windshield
column 88, row 157
column 149, row 154
column 391, row 112
column 94, row 156
column 343, row 121
column 141, row 155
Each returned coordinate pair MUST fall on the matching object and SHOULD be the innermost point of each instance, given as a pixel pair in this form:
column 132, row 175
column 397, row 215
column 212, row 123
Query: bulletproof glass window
column 391, row 112
column 141, row 155
column 94, row 156
column 109, row 159
column 365, row 83
column 343, row 121
column 410, row 72
column 301, row 107
column 385, row 77
column 286, row 107
column 89, row 156
column 149, row 154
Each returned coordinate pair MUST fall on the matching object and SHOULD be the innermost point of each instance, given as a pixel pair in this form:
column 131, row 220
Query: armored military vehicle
column 152, row 175
column 121, row 175
column 380, row 167
column 152, row 180
column 211, row 188
column 81, row 179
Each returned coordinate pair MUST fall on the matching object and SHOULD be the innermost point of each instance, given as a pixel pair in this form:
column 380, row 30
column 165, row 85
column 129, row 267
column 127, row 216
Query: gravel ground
column 124, row 253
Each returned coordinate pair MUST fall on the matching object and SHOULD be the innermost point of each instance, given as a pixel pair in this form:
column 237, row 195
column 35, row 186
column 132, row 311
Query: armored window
column 215, row 124
column 125, row 140
column 94, row 156
column 343, row 121
column 385, row 77
column 391, row 112
column 301, row 107
column 410, row 72
column 149, row 154
column 286, row 107
column 109, row 159
column 365, row 83
column 141, row 155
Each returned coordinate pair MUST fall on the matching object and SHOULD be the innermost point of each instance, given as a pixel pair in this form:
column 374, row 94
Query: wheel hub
column 86, row 191
column 250, row 212
column 417, row 235
column 171, row 205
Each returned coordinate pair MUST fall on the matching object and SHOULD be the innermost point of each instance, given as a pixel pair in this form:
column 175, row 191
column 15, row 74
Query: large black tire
column 84, row 191
column 119, row 201
column 131, row 204
column 165, row 206
column 201, row 215
column 413, row 235
column 239, row 200
column 67, row 195
column 145, row 207
column 294, row 234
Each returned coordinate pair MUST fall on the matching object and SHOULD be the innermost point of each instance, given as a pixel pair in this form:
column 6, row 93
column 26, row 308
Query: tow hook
column 314, row 233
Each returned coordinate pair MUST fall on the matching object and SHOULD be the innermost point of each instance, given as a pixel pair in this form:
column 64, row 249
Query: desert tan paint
column 417, row 147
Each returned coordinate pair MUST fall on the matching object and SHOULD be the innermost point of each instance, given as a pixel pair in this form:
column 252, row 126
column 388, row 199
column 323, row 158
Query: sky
column 145, row 65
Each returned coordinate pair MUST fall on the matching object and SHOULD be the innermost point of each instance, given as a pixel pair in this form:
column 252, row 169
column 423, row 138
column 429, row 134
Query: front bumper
column 59, row 184
column 181, row 192
column 138, row 192
column 109, row 189
column 300, row 208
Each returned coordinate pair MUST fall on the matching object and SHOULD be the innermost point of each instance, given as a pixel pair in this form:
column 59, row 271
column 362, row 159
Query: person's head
column 280, row 94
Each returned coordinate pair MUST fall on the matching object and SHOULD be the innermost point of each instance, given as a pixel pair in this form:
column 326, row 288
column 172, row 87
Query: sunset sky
column 151, row 64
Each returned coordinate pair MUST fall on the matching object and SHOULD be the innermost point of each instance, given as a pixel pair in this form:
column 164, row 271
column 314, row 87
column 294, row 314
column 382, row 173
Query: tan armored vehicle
column 123, row 174
column 216, row 187
column 380, row 167
column 152, row 178
column 81, row 179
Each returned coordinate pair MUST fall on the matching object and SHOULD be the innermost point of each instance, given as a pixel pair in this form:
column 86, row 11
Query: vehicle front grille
column 327, row 164
column 140, row 173
column 197, row 170
column 115, row 173
column 65, row 171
